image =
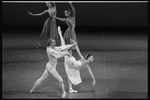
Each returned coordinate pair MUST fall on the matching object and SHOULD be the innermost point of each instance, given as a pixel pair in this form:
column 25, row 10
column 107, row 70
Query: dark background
column 89, row 16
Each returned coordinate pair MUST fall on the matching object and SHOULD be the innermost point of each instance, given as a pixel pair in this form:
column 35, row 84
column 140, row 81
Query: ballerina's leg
column 70, row 87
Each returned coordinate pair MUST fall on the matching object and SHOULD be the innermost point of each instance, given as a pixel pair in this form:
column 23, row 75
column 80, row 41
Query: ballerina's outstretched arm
column 78, row 50
column 61, row 19
column 38, row 14
column 89, row 69
column 54, row 5
column 79, row 53
column 73, row 9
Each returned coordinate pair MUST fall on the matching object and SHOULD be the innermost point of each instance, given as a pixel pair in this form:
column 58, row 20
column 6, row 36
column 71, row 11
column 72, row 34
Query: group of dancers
column 68, row 43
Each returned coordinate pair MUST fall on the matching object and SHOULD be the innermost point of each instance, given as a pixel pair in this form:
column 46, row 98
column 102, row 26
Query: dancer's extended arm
column 61, row 19
column 73, row 9
column 79, row 53
column 54, row 4
column 54, row 7
column 65, row 47
column 57, row 54
column 77, row 49
column 89, row 69
column 38, row 14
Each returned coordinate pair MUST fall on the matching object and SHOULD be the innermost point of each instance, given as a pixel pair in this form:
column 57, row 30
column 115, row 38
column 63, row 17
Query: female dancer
column 50, row 26
column 72, row 66
column 70, row 21
column 53, row 53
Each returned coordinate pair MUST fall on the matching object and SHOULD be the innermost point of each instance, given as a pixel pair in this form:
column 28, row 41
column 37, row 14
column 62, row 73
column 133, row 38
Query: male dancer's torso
column 51, row 58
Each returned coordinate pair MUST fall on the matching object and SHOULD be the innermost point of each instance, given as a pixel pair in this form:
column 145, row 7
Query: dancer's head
column 67, row 13
column 51, row 42
column 48, row 4
column 89, row 57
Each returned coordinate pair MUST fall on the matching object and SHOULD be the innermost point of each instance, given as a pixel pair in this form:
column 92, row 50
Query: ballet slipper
column 63, row 95
column 71, row 91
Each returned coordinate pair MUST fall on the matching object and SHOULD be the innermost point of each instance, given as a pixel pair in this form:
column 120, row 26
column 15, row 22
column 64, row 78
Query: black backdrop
column 108, row 15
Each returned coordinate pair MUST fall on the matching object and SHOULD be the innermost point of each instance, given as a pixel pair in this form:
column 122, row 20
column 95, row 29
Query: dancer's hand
column 93, row 83
column 30, row 13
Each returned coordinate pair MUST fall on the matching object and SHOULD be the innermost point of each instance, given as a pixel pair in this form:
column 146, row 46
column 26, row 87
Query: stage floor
column 120, row 67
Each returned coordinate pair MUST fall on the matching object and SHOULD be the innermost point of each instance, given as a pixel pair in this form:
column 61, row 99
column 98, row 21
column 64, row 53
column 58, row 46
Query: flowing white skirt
column 73, row 74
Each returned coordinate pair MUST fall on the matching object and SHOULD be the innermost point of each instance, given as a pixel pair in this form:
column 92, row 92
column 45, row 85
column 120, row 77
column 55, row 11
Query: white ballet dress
column 72, row 73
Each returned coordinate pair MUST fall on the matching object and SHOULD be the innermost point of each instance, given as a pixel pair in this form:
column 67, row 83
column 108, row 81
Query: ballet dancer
column 73, row 74
column 72, row 66
column 79, row 64
column 50, row 26
column 70, row 21
column 53, row 52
